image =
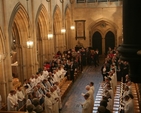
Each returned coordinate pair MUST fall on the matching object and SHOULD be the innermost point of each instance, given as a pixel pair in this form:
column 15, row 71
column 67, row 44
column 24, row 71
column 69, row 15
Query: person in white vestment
column 12, row 103
column 48, row 103
column 55, row 100
column 55, row 76
column 45, row 73
column 59, row 95
column 32, row 81
column 126, row 91
column 21, row 97
column 128, row 106
column 86, row 105
column 91, row 97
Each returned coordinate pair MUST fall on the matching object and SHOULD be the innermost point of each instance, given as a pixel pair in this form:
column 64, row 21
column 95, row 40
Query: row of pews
column 117, row 99
column 64, row 85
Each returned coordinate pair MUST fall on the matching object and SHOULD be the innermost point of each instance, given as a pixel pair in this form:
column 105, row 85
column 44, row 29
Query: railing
column 98, row 3
column 91, row 1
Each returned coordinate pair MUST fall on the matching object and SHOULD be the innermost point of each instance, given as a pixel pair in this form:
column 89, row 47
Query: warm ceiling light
column 72, row 27
column 29, row 44
column 50, row 36
column 63, row 30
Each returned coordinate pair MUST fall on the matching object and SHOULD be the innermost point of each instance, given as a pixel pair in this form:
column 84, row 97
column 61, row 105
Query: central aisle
column 72, row 100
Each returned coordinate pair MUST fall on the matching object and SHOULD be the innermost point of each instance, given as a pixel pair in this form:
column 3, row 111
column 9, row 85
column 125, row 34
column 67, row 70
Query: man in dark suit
column 66, row 67
column 72, row 70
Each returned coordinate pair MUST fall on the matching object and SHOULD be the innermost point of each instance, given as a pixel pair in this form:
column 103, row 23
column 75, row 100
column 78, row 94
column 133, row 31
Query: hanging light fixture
column 50, row 34
column 72, row 27
column 63, row 30
column 29, row 43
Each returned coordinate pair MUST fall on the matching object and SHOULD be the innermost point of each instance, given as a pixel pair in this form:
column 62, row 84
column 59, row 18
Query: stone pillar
column 3, row 91
column 132, row 37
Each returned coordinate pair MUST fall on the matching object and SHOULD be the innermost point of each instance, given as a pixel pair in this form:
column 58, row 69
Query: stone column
column 132, row 37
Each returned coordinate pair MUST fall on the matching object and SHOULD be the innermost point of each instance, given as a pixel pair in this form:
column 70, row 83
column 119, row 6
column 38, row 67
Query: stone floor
column 72, row 100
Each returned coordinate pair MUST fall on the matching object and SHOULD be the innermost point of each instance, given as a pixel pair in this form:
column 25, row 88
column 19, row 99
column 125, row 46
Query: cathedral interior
column 33, row 31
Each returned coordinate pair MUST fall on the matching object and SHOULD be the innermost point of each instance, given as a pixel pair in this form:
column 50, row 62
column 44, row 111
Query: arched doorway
column 18, row 34
column 97, row 42
column 109, row 40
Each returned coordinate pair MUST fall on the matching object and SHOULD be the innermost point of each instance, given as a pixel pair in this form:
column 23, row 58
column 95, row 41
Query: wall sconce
column 29, row 44
column 63, row 30
column 50, row 36
column 72, row 27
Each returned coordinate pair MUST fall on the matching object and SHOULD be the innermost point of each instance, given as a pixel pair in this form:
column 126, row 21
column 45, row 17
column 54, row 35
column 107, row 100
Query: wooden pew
column 65, row 88
column 62, row 82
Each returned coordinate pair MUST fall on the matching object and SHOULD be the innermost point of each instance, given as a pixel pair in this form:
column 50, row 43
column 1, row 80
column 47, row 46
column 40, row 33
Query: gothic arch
column 41, row 34
column 57, row 22
column 19, row 31
column 67, row 25
column 57, row 19
column 103, row 26
column 19, row 16
column 42, row 20
column 109, row 40
column 97, row 41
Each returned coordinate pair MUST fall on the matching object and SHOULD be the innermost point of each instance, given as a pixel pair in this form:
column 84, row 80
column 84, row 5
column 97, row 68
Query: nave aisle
column 72, row 100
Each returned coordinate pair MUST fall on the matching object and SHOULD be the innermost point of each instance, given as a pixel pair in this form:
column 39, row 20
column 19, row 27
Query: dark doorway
column 97, row 42
column 109, row 41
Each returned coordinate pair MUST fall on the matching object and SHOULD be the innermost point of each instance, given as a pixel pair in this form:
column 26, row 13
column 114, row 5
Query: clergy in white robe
column 91, row 97
column 12, row 103
column 129, row 106
column 20, row 96
column 55, row 100
column 45, row 73
column 86, row 105
column 48, row 103
column 58, row 90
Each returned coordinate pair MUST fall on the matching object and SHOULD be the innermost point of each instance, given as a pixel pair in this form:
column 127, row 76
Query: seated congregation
column 44, row 90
